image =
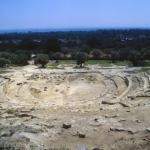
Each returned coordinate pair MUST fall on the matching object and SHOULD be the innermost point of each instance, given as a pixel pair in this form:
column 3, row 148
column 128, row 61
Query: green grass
column 143, row 69
column 108, row 63
column 123, row 63
column 101, row 63
column 147, row 63
column 53, row 66
column 68, row 62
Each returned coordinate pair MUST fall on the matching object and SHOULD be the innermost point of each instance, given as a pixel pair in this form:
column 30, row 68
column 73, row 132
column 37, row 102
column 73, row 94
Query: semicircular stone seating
column 117, row 89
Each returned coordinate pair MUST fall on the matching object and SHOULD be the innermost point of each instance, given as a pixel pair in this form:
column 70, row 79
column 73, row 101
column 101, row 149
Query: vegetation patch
column 123, row 63
column 91, row 79
column 11, row 111
column 3, row 72
column 143, row 69
column 68, row 62
column 49, row 126
column 53, row 66
column 71, row 79
column 35, row 90
column 102, row 63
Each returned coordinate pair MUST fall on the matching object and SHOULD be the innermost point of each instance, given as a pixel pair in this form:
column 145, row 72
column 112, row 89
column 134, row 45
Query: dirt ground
column 69, row 108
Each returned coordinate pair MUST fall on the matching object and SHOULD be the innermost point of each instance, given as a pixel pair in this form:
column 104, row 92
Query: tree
column 124, row 53
column 28, row 44
column 56, row 56
column 26, row 52
column 85, row 49
column 41, row 51
column 42, row 59
column 93, row 41
column 5, row 55
column 145, row 53
column 107, row 51
column 22, row 59
column 14, row 59
column 136, row 58
column 50, row 54
column 73, row 55
column 114, row 55
column 75, row 49
column 96, row 53
column 53, row 45
column 81, row 58
column 8, row 62
column 65, row 51
column 2, row 62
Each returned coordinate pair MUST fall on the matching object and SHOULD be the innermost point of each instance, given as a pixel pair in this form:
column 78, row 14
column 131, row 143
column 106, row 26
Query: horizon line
column 67, row 29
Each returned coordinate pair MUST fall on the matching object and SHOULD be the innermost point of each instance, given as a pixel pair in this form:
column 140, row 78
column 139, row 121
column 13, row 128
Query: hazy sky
column 24, row 14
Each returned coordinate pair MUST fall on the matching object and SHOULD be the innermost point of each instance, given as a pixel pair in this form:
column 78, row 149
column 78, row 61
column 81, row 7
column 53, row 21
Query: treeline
column 7, row 58
column 133, row 44
column 101, row 39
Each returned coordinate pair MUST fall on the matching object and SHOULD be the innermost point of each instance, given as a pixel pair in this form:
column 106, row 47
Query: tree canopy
column 85, row 49
column 81, row 58
column 4, row 61
column 22, row 59
column 96, row 53
column 74, row 55
column 42, row 59
column 28, row 44
column 136, row 58
column 65, row 51
column 52, row 44
column 56, row 56
column 114, row 56
column 93, row 41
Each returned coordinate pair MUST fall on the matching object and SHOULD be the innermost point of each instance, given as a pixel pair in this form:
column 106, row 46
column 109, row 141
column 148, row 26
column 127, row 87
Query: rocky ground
column 70, row 108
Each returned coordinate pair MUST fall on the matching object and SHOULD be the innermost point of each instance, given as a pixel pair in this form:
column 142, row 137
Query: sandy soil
column 97, row 108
